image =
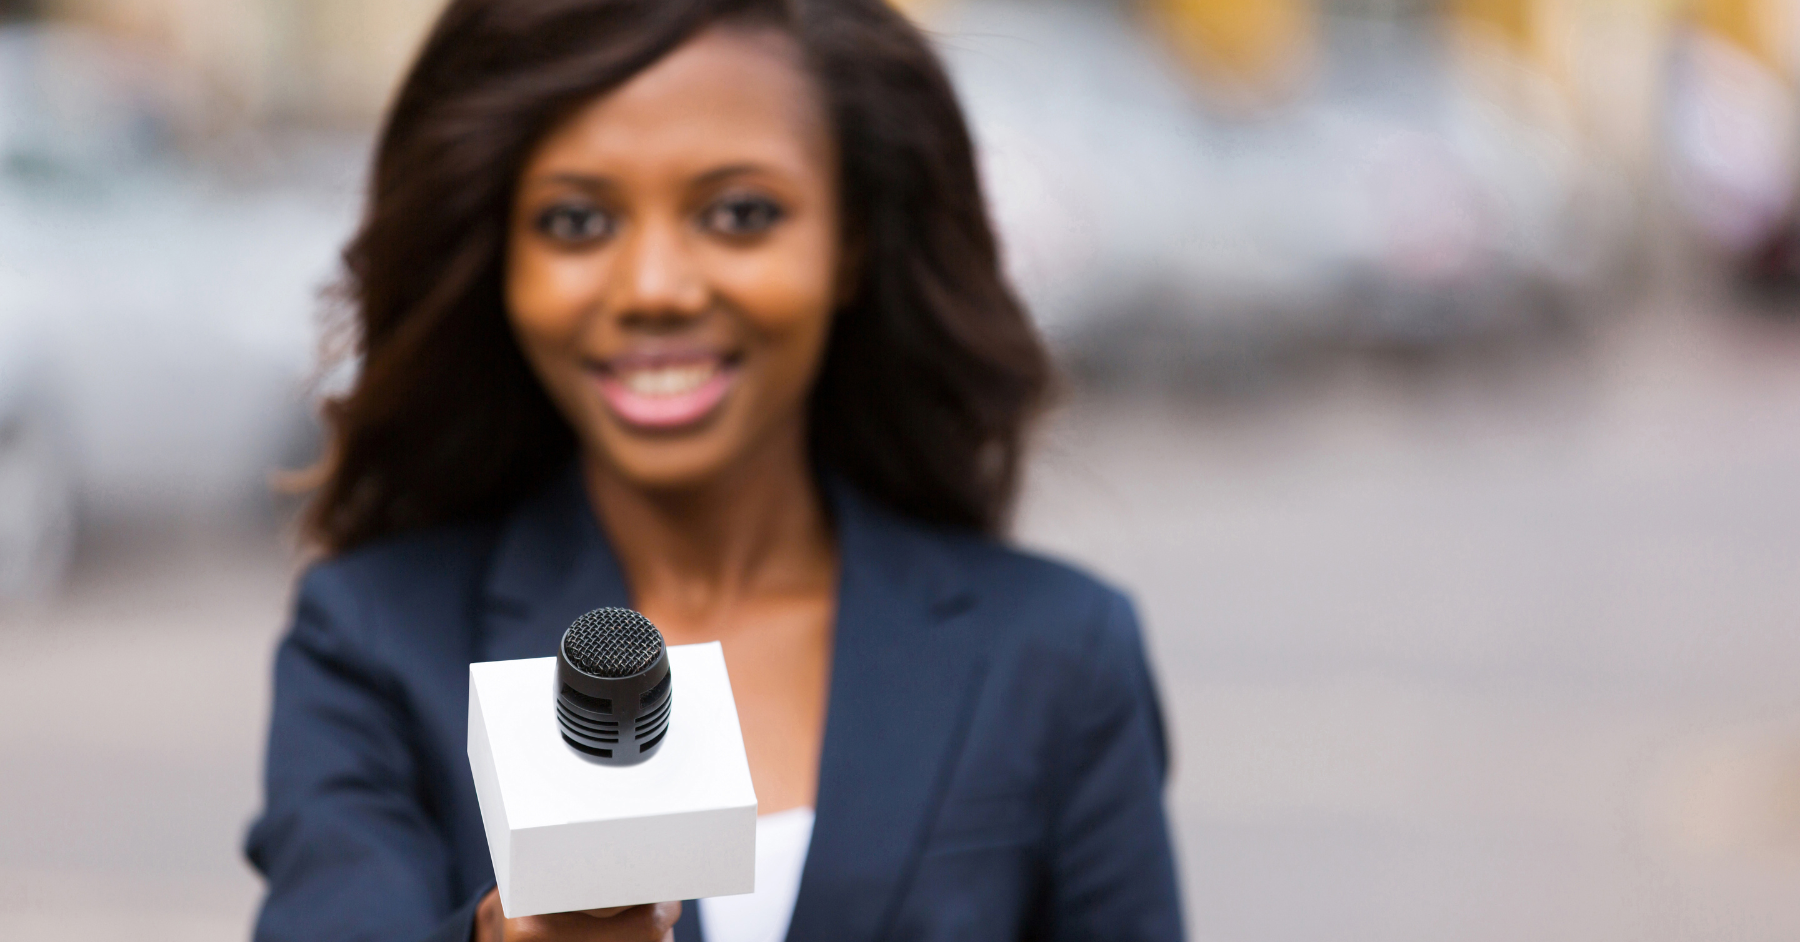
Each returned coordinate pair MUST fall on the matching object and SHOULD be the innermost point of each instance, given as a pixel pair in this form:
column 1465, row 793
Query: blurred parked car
column 164, row 306
column 1389, row 204
column 1733, row 123
column 37, row 519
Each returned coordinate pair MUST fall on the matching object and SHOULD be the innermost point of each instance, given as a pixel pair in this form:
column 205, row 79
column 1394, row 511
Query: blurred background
column 1432, row 381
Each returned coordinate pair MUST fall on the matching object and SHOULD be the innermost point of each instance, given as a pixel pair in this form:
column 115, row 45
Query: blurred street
column 132, row 710
column 1508, row 654
column 1503, row 650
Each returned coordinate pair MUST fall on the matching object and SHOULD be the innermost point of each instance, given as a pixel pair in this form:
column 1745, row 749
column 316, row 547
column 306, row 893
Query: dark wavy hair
column 932, row 370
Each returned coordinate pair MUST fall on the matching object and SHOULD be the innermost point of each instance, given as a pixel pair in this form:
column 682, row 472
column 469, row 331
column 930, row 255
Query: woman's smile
column 666, row 392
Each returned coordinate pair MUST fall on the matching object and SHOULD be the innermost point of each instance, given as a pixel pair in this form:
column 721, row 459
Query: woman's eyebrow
column 729, row 170
column 583, row 181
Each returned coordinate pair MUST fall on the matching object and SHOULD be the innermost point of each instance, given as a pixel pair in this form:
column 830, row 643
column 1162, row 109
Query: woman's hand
column 651, row 922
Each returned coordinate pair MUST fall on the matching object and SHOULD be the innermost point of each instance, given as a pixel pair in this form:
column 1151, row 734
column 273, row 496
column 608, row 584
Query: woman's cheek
column 791, row 327
column 547, row 291
column 547, row 325
column 786, row 287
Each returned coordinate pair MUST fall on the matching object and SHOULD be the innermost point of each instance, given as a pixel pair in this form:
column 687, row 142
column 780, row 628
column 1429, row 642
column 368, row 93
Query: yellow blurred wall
column 1250, row 50
column 1763, row 28
column 353, row 52
column 332, row 60
column 229, row 44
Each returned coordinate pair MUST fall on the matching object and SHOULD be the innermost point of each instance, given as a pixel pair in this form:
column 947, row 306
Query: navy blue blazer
column 992, row 766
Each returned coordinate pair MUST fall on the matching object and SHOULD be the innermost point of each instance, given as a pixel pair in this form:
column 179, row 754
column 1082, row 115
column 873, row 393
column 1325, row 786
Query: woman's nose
column 658, row 275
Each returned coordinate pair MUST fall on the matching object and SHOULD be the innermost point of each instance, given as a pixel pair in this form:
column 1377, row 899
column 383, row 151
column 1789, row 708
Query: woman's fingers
column 669, row 914
column 651, row 922
column 658, row 920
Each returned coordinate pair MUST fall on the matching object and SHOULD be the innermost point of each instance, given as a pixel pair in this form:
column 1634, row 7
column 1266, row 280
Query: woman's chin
column 668, row 462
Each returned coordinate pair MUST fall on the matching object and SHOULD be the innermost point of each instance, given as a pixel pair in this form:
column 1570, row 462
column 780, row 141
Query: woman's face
column 674, row 259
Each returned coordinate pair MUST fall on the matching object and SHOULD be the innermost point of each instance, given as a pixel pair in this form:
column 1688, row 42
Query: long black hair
column 932, row 370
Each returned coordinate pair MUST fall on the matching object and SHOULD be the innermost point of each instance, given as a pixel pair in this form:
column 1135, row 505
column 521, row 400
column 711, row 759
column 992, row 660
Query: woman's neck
column 694, row 554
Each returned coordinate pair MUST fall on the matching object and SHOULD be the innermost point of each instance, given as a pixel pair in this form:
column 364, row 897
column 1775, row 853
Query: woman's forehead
column 725, row 96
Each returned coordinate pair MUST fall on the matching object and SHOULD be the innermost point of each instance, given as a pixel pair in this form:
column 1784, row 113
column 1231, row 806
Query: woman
column 692, row 305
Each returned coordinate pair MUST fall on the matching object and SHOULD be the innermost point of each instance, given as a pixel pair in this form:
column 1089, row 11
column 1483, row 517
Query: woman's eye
column 574, row 223
column 742, row 215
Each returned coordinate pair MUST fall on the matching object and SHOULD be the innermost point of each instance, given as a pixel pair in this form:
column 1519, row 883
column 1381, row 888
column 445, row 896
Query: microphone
column 615, row 688
column 590, row 797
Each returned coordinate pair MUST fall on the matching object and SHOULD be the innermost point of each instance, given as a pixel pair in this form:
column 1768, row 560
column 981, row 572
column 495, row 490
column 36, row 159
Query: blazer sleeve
column 346, row 842
column 1112, row 871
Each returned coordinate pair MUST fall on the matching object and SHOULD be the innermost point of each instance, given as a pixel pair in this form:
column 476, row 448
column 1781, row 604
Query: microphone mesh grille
column 612, row 642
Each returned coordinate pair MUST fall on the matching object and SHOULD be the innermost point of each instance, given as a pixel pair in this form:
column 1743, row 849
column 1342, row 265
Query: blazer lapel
column 903, row 685
column 552, row 565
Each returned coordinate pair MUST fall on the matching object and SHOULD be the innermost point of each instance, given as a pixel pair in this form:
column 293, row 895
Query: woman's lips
column 666, row 394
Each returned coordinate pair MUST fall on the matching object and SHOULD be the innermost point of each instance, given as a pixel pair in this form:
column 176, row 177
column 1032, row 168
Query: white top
column 762, row 916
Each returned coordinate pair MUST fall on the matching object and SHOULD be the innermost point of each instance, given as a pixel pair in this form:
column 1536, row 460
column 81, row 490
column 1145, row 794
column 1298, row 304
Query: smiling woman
column 693, row 306
column 930, row 371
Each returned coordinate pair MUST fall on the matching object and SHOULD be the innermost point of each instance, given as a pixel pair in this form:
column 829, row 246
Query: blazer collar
column 903, row 681
column 551, row 565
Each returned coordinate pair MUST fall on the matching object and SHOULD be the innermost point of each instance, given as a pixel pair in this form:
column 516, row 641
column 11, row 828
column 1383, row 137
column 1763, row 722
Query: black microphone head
column 615, row 691
column 612, row 642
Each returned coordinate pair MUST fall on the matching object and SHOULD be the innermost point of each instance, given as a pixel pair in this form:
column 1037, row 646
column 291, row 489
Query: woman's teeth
column 668, row 380
column 665, row 395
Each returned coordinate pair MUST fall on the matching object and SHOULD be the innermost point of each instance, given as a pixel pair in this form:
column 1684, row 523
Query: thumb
column 667, row 915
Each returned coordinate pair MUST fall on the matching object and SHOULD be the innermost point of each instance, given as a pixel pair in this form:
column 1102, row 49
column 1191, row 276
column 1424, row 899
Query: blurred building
column 1240, row 183
column 316, row 60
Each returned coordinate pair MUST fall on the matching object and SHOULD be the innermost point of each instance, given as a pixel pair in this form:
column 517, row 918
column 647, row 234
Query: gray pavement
column 1497, row 649
column 1507, row 651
